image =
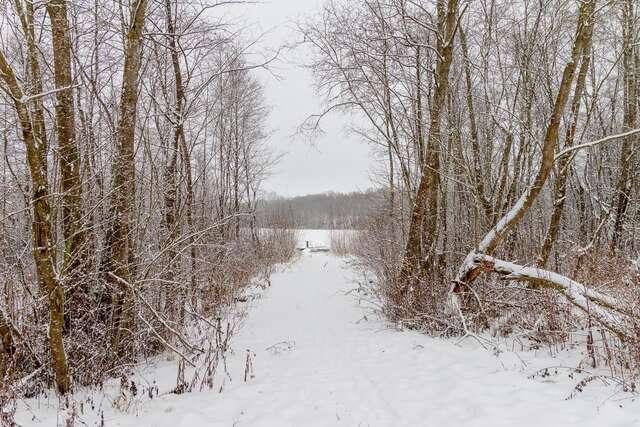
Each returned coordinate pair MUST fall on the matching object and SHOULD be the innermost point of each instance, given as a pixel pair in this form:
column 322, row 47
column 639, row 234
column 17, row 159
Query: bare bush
column 278, row 245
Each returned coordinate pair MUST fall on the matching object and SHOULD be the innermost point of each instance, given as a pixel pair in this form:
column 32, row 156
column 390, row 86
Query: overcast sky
column 335, row 161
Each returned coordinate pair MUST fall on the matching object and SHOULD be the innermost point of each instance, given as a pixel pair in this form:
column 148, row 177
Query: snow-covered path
column 318, row 362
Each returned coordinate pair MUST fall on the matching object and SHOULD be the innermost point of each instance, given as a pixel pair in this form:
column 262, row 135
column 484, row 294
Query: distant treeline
column 322, row 211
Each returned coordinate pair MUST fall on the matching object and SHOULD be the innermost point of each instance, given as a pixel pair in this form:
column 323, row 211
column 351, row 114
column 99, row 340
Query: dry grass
column 342, row 242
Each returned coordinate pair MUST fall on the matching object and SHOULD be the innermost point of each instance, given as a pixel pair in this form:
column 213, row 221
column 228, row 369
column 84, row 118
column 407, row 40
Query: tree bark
column 560, row 187
column 627, row 154
column 41, row 226
column 427, row 192
column 68, row 149
column 119, row 247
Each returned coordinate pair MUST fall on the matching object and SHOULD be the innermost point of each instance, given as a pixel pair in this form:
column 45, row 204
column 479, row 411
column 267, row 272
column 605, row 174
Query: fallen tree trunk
column 602, row 308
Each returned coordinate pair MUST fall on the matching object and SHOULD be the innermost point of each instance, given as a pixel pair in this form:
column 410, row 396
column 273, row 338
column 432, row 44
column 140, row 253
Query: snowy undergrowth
column 314, row 353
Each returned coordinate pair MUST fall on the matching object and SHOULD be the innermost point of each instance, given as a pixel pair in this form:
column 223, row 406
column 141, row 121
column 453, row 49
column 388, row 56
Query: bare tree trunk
column 478, row 177
column 391, row 134
column 68, row 149
column 170, row 222
column 180, row 142
column 427, row 191
column 469, row 269
column 560, row 188
column 43, row 244
column 74, row 235
column 627, row 154
column 119, row 250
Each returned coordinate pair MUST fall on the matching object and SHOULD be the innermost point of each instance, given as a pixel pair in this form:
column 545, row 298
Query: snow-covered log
column 603, row 308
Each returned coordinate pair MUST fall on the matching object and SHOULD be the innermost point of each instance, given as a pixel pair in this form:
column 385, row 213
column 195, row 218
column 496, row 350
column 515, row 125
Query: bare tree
column 472, row 140
column 42, row 227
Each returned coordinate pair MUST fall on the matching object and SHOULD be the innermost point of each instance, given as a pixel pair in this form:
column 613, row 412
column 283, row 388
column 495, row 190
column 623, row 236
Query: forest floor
column 322, row 357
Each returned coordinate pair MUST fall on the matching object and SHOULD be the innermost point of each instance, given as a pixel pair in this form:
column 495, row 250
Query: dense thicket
column 133, row 152
column 509, row 133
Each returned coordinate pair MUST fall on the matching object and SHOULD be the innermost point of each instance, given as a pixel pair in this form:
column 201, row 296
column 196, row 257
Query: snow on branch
column 604, row 309
column 597, row 142
column 25, row 99
column 467, row 271
column 157, row 315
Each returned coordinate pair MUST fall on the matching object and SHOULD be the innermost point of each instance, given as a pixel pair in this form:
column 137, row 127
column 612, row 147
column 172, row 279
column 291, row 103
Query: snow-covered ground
column 320, row 358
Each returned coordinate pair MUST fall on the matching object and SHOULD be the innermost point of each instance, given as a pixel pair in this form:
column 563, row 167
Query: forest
column 510, row 132
column 324, row 211
column 137, row 225
column 134, row 147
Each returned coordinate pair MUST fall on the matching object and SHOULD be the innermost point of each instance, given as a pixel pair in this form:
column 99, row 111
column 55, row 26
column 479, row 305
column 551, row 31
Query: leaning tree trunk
column 560, row 187
column 470, row 269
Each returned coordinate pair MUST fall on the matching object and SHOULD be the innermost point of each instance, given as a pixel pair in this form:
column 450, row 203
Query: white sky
column 336, row 161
